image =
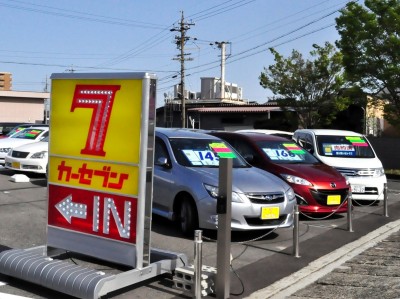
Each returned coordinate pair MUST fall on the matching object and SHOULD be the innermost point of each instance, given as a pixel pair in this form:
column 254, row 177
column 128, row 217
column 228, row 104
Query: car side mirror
column 249, row 158
column 162, row 161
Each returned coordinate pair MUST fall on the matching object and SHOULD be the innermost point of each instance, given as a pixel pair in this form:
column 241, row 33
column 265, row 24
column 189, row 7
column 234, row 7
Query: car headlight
column 5, row 149
column 296, row 180
column 379, row 172
column 213, row 192
column 290, row 194
column 39, row 155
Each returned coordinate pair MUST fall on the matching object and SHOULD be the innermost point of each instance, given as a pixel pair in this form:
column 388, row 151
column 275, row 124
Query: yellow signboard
column 100, row 149
column 92, row 119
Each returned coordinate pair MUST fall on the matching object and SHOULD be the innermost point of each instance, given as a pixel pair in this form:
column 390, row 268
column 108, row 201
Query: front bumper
column 32, row 165
column 247, row 216
column 373, row 187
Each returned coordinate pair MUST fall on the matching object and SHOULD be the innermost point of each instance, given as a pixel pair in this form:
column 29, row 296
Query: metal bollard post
column 385, row 201
column 296, row 232
column 350, row 212
column 198, row 267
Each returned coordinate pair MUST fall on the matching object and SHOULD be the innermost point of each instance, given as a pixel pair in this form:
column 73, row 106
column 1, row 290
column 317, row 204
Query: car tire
column 188, row 219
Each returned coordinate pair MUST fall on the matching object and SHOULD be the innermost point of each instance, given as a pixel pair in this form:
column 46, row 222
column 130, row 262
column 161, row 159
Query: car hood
column 35, row 147
column 249, row 179
column 312, row 172
column 14, row 142
column 358, row 163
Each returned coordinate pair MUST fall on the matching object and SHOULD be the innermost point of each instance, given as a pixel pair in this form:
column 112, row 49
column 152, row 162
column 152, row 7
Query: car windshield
column 344, row 147
column 15, row 130
column 193, row 152
column 286, row 152
column 28, row 134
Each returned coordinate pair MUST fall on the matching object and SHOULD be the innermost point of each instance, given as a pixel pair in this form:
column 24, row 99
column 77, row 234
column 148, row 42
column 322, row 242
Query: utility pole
column 222, row 46
column 180, row 42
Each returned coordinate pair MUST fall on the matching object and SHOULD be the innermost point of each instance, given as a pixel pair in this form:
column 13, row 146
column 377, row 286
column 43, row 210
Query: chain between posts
column 296, row 215
column 385, row 201
column 250, row 240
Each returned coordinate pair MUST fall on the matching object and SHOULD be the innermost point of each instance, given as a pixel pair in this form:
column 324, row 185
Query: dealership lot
column 23, row 219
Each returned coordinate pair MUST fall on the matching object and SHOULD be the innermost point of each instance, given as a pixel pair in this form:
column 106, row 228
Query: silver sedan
column 186, row 176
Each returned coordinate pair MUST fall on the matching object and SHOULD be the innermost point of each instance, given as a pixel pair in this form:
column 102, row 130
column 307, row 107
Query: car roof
column 330, row 132
column 184, row 133
column 253, row 136
column 265, row 131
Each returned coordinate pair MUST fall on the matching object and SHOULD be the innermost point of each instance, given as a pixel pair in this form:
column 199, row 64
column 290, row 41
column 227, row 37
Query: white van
column 352, row 155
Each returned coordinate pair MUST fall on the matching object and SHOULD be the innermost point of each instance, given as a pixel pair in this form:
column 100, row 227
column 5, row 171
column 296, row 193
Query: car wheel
column 188, row 217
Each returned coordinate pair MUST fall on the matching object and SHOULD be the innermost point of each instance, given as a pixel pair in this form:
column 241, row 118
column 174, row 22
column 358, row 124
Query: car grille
column 266, row 198
column 321, row 196
column 352, row 172
column 369, row 191
column 260, row 222
column 17, row 154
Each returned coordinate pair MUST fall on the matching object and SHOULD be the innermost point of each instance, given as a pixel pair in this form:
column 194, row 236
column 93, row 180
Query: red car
column 319, row 188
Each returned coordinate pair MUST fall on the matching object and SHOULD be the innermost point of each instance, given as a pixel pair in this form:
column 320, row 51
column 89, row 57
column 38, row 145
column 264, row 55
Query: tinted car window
column 201, row 152
column 305, row 140
column 243, row 148
column 344, row 147
column 160, row 150
column 286, row 152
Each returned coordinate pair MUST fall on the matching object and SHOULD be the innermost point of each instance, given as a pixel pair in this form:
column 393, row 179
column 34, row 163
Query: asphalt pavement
column 361, row 264
column 335, row 263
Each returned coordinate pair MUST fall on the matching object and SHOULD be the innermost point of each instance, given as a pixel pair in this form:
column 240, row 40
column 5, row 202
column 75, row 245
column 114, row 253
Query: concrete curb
column 324, row 265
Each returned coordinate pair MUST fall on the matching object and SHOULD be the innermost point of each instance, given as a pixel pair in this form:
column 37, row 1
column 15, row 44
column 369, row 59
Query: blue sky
column 41, row 37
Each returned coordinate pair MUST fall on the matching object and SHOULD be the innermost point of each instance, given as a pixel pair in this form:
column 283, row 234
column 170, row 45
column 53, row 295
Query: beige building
column 5, row 81
column 375, row 122
column 22, row 106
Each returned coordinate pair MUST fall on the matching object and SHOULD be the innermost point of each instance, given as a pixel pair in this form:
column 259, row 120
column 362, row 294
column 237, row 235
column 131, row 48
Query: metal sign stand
column 34, row 266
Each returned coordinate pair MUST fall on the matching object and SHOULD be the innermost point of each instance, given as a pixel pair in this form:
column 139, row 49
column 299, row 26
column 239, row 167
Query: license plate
column 16, row 165
column 269, row 213
column 358, row 188
column 333, row 200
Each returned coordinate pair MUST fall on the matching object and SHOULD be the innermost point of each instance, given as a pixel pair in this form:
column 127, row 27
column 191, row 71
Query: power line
column 49, row 10
column 83, row 67
column 266, row 28
column 215, row 12
column 252, row 54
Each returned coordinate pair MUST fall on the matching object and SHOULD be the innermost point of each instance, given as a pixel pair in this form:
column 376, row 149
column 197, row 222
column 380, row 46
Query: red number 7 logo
column 100, row 98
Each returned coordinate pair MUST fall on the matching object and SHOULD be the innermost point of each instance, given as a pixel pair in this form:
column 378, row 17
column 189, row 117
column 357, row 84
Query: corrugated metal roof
column 235, row 109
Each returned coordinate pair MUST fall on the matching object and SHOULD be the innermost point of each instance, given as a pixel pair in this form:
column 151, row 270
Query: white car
column 26, row 136
column 32, row 157
column 352, row 155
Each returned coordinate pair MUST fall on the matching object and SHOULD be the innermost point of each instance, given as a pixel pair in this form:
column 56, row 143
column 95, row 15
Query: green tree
column 370, row 44
column 310, row 87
